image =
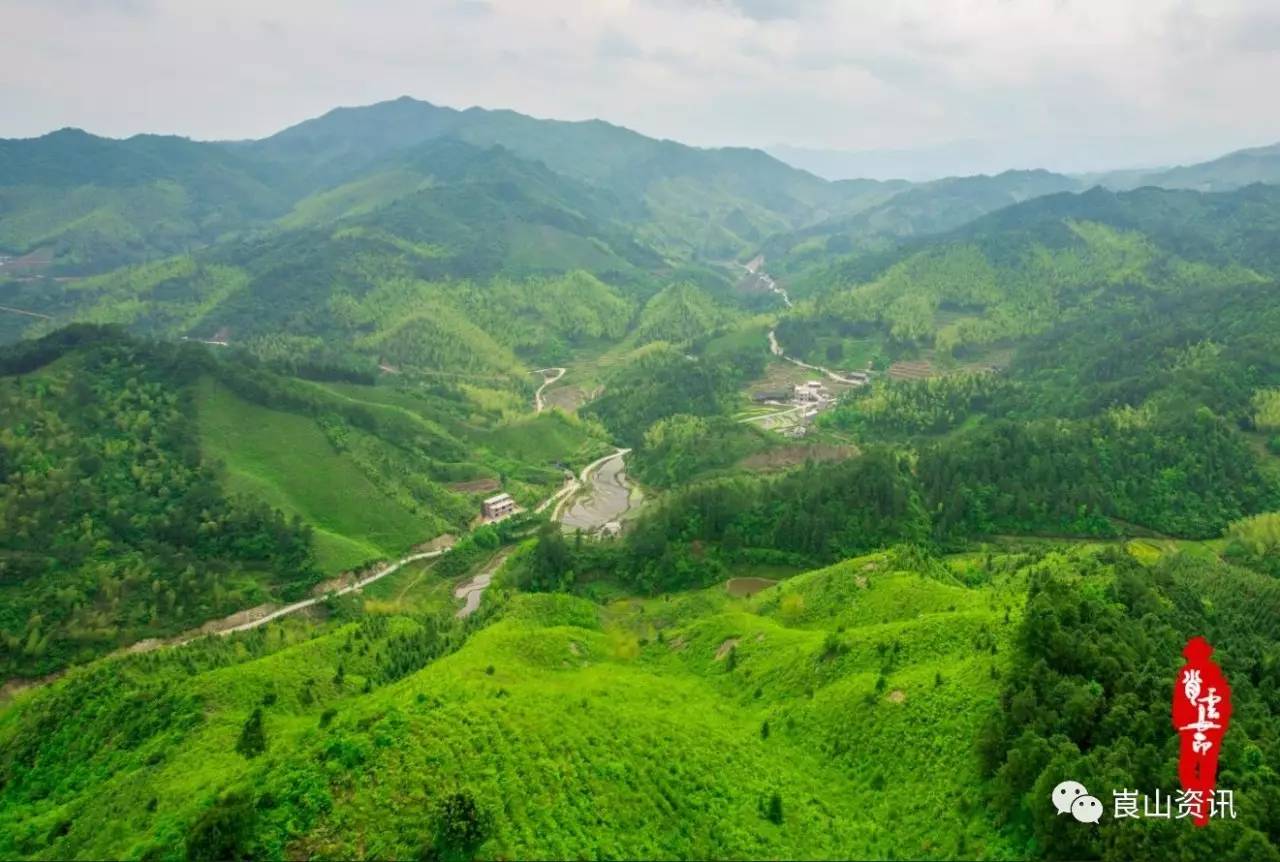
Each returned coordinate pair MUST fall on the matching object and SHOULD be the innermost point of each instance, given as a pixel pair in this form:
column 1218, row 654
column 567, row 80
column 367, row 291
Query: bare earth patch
column 741, row 588
column 783, row 457
column 723, row 651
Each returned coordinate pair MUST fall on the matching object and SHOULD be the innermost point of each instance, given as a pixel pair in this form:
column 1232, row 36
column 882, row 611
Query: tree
column 551, row 563
column 461, row 827
column 222, row 830
column 774, row 812
column 253, row 739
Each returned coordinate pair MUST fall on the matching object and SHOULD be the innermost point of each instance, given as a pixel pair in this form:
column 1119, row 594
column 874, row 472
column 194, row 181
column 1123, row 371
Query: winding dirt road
column 538, row 403
column 472, row 590
column 306, row 603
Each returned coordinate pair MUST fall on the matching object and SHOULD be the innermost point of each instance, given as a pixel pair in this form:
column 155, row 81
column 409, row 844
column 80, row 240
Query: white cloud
column 1180, row 75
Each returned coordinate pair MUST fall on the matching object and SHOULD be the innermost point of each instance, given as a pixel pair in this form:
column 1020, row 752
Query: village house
column 811, row 391
column 497, row 507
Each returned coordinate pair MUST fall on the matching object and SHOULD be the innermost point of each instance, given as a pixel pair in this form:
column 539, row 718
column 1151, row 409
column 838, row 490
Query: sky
column 1065, row 84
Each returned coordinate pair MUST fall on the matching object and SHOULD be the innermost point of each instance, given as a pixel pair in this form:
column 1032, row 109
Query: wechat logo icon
column 1071, row 797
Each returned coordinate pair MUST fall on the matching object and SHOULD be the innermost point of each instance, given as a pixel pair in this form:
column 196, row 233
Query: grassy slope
column 553, row 717
column 286, row 460
column 546, row 438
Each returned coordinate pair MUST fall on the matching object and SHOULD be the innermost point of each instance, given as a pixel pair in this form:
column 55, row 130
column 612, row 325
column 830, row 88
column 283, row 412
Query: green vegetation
column 603, row 683
column 819, row 513
column 114, row 526
column 148, row 488
column 1187, row 476
column 97, row 203
column 890, row 650
column 1042, row 264
column 1088, row 699
column 660, row 382
column 286, row 460
column 888, row 216
column 912, row 407
column 680, row 448
column 1255, row 542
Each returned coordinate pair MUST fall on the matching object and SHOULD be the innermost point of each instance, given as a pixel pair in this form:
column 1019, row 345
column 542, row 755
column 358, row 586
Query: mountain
column 1241, row 168
column 94, row 203
column 446, row 256
column 1031, row 266
column 1232, row 171
column 709, row 203
column 97, row 203
column 906, row 212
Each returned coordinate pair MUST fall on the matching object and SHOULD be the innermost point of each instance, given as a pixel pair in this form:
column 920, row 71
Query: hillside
column 920, row 210
column 541, row 676
column 96, row 203
column 256, row 745
column 475, row 260
column 92, row 204
column 149, row 487
column 1025, row 268
column 710, row 203
column 1232, row 171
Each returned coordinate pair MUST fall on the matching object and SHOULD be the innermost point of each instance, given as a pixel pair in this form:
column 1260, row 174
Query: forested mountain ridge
column 920, row 210
column 97, row 203
column 1232, row 171
column 474, row 245
column 1025, row 268
column 713, row 203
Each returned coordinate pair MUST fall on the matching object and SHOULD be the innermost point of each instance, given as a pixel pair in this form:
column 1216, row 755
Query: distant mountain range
column 95, row 203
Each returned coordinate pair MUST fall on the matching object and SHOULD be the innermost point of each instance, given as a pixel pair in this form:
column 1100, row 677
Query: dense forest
column 115, row 527
column 1087, row 698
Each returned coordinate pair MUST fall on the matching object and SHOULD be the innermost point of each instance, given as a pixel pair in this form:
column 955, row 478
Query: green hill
column 705, row 674
column 1027, row 268
column 98, row 203
column 1232, row 171
column 775, row 716
column 479, row 267
column 714, row 203
column 148, row 487
column 919, row 210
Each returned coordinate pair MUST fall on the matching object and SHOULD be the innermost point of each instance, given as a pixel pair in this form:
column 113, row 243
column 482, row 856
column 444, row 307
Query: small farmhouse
column 498, row 506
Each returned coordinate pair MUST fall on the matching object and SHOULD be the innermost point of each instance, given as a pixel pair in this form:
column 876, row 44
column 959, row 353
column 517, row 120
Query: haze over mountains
column 97, row 203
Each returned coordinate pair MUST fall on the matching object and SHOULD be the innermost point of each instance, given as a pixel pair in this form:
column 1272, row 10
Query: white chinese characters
column 1206, row 706
column 1173, row 806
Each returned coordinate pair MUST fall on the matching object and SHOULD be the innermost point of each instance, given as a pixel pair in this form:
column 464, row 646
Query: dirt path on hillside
column 538, row 403
column 27, row 313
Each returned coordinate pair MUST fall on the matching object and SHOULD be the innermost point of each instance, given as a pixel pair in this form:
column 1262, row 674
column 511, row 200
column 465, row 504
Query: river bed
column 609, row 496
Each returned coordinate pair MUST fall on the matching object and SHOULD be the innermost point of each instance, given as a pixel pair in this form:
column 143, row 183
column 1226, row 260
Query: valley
column 454, row 484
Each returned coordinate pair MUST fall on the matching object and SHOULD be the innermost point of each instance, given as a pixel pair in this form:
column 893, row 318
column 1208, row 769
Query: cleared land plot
column 286, row 460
